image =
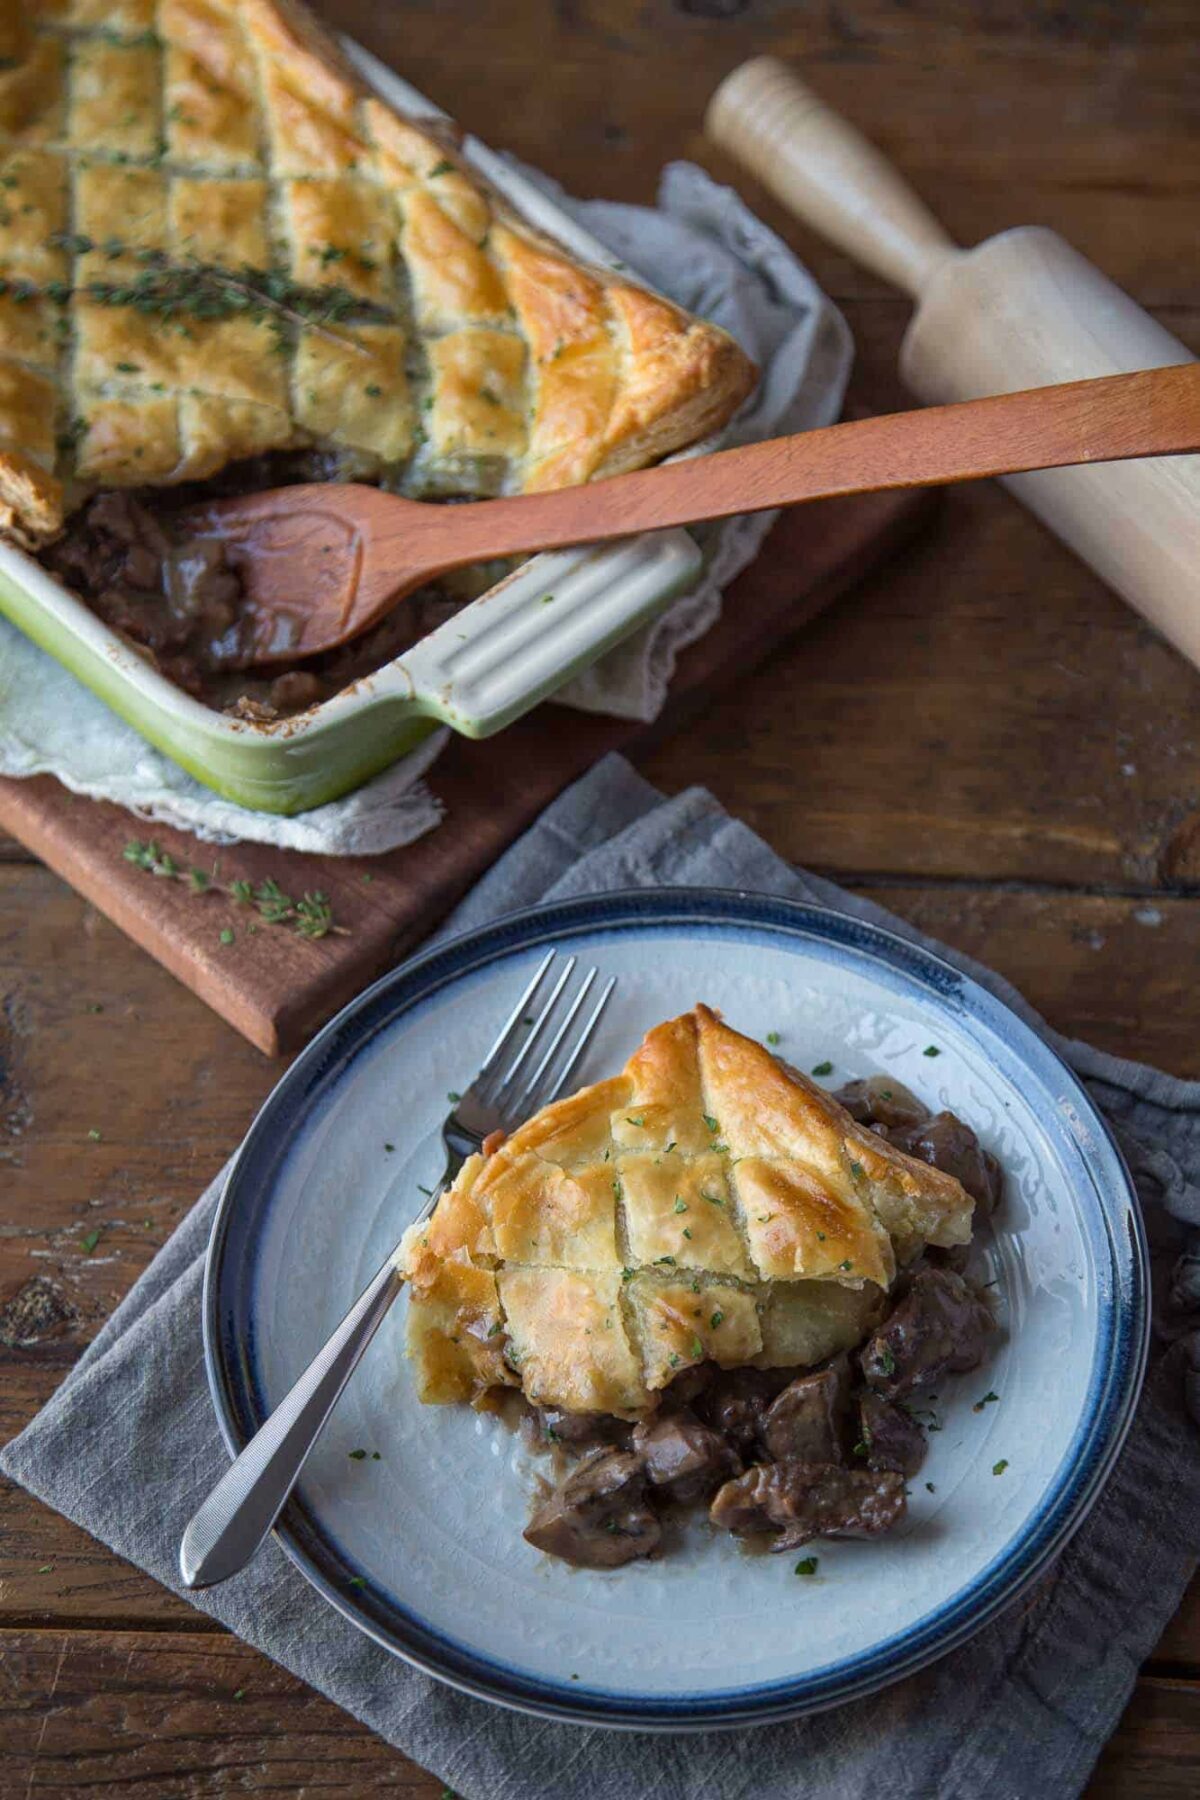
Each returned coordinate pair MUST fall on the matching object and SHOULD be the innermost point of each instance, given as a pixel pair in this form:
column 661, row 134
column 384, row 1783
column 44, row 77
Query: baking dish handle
column 549, row 620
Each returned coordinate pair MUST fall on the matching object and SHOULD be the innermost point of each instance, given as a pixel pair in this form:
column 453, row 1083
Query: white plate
column 421, row 1545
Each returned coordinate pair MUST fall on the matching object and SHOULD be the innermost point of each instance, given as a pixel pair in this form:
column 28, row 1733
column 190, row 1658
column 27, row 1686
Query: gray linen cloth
column 129, row 1445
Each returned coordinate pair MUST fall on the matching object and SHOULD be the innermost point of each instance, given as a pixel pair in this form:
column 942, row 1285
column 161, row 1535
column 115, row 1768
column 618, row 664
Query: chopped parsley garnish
column 860, row 1449
column 227, row 936
column 887, row 1361
column 929, row 1487
column 445, row 167
column 94, row 1135
column 931, row 1050
column 710, row 1121
column 358, row 1455
column 697, row 1348
column 987, row 1400
column 89, row 1241
column 628, row 1274
column 358, row 1581
column 807, row 1565
column 453, row 1098
column 713, row 1199
column 680, row 1204
column 495, row 1327
column 718, row 1318
column 665, row 1259
column 772, row 1037
column 638, row 1122
column 846, row 1264
column 669, row 1148
column 687, row 1232
column 618, row 1190
column 673, row 1360
column 856, row 1169
column 823, row 1068
column 999, row 1468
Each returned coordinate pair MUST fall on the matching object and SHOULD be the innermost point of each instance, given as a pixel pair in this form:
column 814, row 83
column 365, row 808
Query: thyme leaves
column 311, row 916
column 192, row 289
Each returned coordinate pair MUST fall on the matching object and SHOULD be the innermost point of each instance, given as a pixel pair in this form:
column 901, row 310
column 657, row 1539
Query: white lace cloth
column 705, row 249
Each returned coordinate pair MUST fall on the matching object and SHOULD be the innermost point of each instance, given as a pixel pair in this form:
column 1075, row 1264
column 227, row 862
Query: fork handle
column 240, row 1511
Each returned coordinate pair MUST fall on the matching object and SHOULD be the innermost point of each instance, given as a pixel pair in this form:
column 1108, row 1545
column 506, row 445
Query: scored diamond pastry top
column 707, row 1204
column 216, row 242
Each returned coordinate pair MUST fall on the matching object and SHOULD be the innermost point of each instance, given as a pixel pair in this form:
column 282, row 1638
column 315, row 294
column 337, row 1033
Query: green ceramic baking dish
column 492, row 661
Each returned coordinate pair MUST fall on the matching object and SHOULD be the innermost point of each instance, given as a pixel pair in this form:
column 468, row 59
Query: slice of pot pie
column 709, row 1205
column 216, row 244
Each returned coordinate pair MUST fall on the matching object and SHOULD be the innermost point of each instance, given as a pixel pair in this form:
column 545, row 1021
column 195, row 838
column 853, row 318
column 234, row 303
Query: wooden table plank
column 175, row 1716
column 1155, row 1751
column 182, row 1716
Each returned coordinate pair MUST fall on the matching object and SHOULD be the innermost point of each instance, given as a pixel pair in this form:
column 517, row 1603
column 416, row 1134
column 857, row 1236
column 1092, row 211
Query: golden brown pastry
column 709, row 1203
column 214, row 241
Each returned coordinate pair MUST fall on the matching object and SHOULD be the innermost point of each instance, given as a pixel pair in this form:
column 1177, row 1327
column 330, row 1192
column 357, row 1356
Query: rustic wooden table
column 982, row 737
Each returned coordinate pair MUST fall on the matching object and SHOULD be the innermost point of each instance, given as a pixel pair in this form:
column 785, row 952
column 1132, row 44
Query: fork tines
column 531, row 1060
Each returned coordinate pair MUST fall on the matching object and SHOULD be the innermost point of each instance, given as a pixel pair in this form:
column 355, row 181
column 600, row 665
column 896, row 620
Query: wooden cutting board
column 276, row 987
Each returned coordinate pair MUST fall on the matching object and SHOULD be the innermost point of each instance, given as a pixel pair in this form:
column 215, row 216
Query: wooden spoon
column 320, row 562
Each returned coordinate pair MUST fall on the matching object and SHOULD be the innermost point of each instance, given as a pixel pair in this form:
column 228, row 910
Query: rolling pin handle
column 826, row 172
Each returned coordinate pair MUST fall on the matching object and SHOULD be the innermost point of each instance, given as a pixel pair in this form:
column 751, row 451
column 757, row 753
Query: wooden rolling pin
column 1020, row 310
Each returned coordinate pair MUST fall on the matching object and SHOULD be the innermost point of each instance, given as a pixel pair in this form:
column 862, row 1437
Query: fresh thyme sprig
column 311, row 916
column 199, row 290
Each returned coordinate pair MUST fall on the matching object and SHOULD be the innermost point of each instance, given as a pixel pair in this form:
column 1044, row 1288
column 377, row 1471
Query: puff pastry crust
column 215, row 241
column 709, row 1203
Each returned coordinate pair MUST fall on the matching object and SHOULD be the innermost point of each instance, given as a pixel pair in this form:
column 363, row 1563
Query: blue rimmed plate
column 418, row 1541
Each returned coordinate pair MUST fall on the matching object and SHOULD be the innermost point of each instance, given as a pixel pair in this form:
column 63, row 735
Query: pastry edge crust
column 31, row 502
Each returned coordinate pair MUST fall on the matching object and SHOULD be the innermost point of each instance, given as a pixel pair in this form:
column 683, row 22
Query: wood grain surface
column 982, row 738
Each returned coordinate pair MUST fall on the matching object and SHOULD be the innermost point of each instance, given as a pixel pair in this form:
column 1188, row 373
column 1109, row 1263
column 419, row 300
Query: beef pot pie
column 709, row 1280
column 225, row 261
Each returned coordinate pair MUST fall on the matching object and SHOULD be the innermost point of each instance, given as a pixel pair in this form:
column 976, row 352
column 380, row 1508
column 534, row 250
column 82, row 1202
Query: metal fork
column 527, row 1067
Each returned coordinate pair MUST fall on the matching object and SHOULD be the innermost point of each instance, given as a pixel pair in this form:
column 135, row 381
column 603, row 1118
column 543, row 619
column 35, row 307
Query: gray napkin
column 128, row 1446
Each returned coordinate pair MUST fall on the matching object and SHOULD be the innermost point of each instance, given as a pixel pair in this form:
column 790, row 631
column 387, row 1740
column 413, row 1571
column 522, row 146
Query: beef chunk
column 806, row 1422
column 599, row 1517
column 881, row 1100
column 181, row 601
column 799, row 1500
column 688, row 1386
column 891, row 1436
column 684, row 1458
column 949, row 1145
column 736, row 1401
column 940, row 1325
column 579, row 1431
